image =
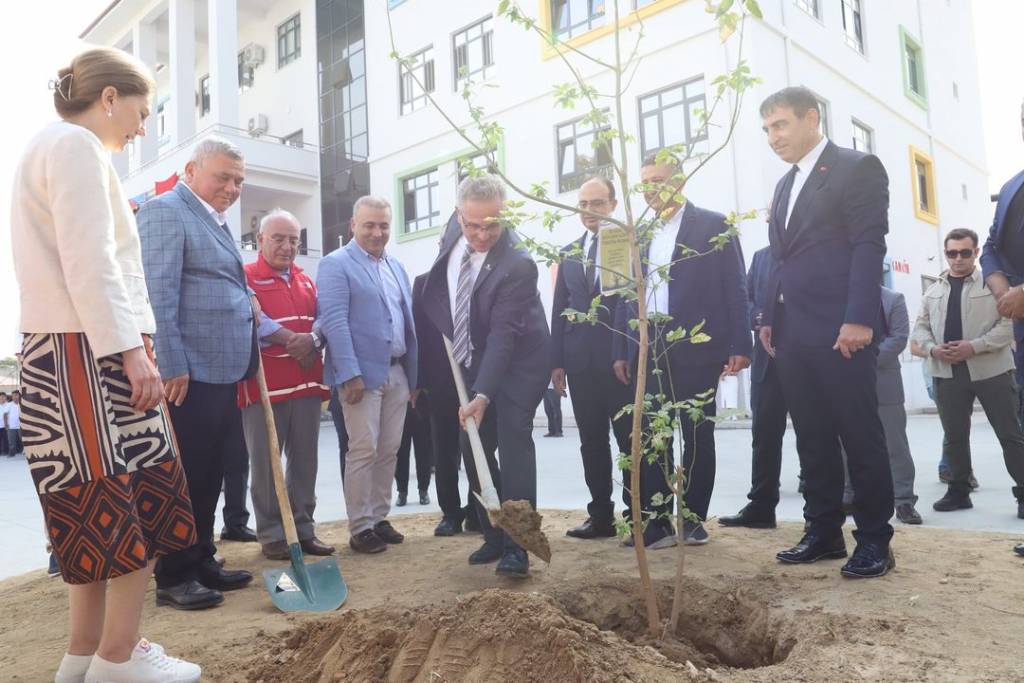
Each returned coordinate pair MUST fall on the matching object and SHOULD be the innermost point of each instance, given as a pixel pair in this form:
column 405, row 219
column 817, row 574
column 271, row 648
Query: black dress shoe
column 593, row 529
column 1019, row 549
column 367, row 541
column 514, row 563
column 750, row 518
column 869, row 560
column 471, row 522
column 188, row 595
column 314, row 546
column 485, row 554
column 658, row 534
column 448, row 526
column 953, row 500
column 215, row 577
column 403, row 498
column 812, row 548
column 238, row 533
column 424, row 498
column 387, row 533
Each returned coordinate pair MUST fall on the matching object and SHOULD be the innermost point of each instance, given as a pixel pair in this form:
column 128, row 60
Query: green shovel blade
column 314, row 587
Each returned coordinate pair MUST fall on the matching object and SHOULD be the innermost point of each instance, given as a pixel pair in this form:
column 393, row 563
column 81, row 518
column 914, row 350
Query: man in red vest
column 290, row 346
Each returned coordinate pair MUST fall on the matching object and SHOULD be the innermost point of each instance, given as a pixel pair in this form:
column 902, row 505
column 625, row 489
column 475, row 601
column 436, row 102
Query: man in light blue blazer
column 205, row 344
column 364, row 307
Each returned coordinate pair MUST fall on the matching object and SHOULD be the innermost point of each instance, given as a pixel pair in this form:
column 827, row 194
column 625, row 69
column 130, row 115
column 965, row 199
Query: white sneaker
column 72, row 669
column 148, row 664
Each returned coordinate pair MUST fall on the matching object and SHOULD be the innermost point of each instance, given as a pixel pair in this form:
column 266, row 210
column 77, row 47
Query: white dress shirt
column 13, row 415
column 393, row 297
column 219, row 217
column 476, row 262
column 663, row 245
column 804, row 168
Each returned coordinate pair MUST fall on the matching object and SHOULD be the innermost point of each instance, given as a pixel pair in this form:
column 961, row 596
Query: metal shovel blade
column 301, row 587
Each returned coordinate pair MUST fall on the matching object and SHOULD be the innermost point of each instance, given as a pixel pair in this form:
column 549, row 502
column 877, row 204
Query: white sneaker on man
column 148, row 664
column 72, row 669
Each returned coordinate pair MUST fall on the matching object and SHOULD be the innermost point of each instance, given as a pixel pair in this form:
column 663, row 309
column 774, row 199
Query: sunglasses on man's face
column 962, row 253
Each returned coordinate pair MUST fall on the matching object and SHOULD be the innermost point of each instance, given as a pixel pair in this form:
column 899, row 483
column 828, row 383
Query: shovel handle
column 488, row 494
column 275, row 460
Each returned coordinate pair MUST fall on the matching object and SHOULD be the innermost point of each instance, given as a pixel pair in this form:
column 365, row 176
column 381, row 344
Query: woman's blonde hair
column 80, row 84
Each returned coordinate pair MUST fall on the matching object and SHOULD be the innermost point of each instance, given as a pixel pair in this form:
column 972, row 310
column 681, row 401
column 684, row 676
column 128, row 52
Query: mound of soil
column 585, row 632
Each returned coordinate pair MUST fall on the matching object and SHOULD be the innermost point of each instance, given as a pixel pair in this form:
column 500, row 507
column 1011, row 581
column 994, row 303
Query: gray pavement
column 560, row 485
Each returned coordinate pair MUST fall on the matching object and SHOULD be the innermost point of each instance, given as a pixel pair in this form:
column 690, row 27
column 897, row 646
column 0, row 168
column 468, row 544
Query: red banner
column 166, row 185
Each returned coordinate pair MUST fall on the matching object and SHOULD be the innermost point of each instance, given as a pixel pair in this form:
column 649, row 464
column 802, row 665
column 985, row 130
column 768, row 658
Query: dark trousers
column 14, row 445
column 4, row 449
column 678, row 384
column 955, row 400
column 207, row 426
column 507, row 427
column 445, row 430
column 416, row 435
column 768, row 427
column 338, row 417
column 832, row 399
column 236, row 483
column 597, row 397
column 553, row 411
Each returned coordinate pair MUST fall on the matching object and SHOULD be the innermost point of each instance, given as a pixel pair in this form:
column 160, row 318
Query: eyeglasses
column 951, row 254
column 594, row 204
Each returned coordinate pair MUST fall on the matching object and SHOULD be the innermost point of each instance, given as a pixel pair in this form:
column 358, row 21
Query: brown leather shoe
column 314, row 546
column 367, row 541
column 387, row 533
column 276, row 550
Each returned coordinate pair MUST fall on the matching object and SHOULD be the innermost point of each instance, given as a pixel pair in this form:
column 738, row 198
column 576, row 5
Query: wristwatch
column 318, row 343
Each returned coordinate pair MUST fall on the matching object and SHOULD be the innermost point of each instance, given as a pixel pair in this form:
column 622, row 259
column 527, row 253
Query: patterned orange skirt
column 112, row 488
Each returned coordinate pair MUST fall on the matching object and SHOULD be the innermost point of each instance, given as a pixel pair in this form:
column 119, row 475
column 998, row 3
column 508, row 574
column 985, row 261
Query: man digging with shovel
column 481, row 293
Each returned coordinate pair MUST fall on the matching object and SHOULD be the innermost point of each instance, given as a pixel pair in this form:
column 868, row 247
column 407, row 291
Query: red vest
column 292, row 303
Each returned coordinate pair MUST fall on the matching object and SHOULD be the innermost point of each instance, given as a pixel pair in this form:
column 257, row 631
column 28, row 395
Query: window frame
column 869, row 135
column 592, row 22
column 603, row 169
column 291, row 140
column 683, row 102
column 856, row 10
column 930, row 213
column 487, row 49
column 417, row 101
column 284, row 59
column 824, row 116
column 811, row 8
column 205, row 98
column 432, row 185
column 909, row 42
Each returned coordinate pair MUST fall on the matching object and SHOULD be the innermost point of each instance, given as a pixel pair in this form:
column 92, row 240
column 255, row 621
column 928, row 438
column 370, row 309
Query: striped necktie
column 460, row 316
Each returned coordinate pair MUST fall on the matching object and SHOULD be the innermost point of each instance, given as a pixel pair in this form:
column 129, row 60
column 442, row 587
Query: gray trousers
column 298, row 431
column 894, row 422
column 955, row 400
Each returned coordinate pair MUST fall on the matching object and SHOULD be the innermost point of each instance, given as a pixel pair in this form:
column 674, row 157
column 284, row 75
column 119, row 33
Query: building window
column 478, row 161
column 809, row 6
column 473, row 52
column 824, row 121
column 671, row 116
column 289, row 36
column 852, row 25
column 422, row 207
column 863, row 138
column 162, row 134
column 293, row 140
column 246, row 73
column 922, row 171
column 417, row 80
column 580, row 155
column 575, row 17
column 204, row 95
column 913, row 69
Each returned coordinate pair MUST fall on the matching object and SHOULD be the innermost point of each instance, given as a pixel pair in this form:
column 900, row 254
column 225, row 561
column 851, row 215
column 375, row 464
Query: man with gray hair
column 205, row 343
column 365, row 312
column 290, row 345
column 482, row 294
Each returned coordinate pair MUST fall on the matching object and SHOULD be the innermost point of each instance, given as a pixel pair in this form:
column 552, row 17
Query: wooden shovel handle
column 275, row 460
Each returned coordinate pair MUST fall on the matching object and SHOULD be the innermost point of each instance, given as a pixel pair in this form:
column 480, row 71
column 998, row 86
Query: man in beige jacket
column 967, row 344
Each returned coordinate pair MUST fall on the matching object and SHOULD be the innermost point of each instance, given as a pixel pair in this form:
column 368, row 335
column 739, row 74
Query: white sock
column 72, row 668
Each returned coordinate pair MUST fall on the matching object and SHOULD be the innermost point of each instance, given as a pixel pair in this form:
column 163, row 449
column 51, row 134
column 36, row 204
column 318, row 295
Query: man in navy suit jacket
column 827, row 226
column 709, row 287
column 581, row 353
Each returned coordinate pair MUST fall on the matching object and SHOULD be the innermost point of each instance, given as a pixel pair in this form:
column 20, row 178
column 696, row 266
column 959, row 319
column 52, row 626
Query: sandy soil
column 952, row 610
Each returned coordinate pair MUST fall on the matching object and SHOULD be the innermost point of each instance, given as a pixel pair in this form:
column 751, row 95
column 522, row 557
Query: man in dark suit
column 705, row 285
column 767, row 407
column 827, row 229
column 482, row 293
column 582, row 353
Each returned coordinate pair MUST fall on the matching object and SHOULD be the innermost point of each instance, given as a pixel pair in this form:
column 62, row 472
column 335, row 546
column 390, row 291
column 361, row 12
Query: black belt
column 395, row 360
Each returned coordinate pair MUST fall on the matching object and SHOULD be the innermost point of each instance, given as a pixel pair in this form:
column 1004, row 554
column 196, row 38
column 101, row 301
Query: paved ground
column 560, row 485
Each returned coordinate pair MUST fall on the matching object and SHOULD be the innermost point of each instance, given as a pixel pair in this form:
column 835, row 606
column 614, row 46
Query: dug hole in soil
column 585, row 631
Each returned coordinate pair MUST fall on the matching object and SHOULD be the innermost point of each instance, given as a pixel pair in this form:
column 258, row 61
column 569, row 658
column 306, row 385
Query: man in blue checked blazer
column 205, row 344
column 364, row 307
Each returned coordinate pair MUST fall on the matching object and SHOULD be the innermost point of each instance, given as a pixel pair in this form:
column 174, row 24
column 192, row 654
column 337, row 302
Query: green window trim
column 398, row 203
column 909, row 42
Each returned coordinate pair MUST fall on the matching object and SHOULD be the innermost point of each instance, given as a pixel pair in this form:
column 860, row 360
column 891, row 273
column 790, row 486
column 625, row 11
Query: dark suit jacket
column 830, row 255
column 890, row 346
column 434, row 370
column 762, row 269
column 992, row 259
column 711, row 288
column 507, row 322
column 577, row 347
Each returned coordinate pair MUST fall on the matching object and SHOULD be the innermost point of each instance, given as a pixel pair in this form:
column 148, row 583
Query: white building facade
column 897, row 79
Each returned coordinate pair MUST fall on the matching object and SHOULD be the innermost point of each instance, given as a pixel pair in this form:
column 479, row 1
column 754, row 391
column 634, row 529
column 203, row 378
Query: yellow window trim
column 549, row 51
column 916, row 156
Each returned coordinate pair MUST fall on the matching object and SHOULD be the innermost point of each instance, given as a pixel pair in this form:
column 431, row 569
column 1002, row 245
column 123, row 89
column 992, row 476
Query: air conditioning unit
column 253, row 55
column 257, row 125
